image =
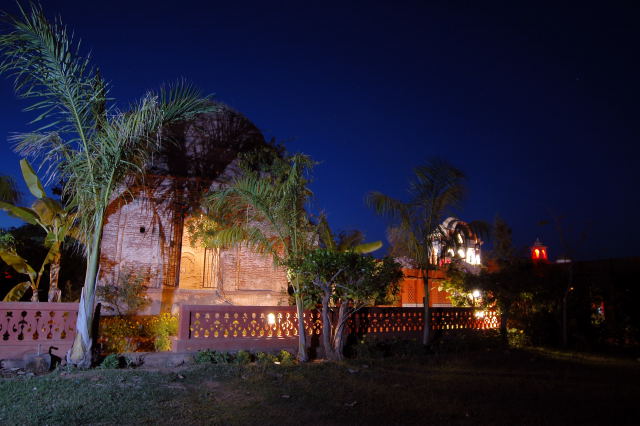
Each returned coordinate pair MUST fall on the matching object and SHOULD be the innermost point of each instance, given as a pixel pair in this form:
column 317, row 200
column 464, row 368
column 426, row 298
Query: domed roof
column 204, row 146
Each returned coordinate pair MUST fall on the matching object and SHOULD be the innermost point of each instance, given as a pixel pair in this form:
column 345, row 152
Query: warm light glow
column 536, row 253
column 476, row 294
column 271, row 319
column 472, row 257
column 461, row 253
column 479, row 314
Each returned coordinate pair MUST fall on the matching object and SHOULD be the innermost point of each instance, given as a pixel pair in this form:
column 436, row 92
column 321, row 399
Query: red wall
column 412, row 288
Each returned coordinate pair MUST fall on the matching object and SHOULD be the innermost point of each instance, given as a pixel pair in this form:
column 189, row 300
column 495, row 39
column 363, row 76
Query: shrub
column 124, row 334
column 286, row 358
column 209, row 356
column 110, row 362
column 517, row 338
column 203, row 357
column 126, row 296
column 137, row 334
column 162, row 327
column 265, row 358
column 242, row 358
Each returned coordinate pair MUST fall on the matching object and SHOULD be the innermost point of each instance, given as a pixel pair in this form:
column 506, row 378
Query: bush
column 209, row 356
column 242, row 358
column 137, row 334
column 162, row 327
column 517, row 338
column 126, row 296
column 203, row 357
column 265, row 358
column 110, row 362
column 286, row 358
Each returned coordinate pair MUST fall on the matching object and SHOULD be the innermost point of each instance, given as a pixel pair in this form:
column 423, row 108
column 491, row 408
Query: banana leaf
column 31, row 179
column 45, row 214
column 367, row 247
column 18, row 263
column 16, row 293
column 23, row 213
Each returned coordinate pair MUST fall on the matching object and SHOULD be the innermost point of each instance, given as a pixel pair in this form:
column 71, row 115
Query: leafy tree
column 265, row 209
column 86, row 143
column 436, row 188
column 347, row 281
column 513, row 284
column 56, row 221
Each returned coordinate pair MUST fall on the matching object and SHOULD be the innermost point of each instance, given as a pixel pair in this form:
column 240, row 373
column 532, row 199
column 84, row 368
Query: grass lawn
column 487, row 386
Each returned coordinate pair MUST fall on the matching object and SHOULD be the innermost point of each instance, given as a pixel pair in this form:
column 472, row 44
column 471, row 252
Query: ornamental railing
column 276, row 327
column 27, row 327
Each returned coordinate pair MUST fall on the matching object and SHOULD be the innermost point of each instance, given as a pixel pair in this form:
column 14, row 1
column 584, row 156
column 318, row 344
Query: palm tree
column 81, row 141
column 267, row 213
column 436, row 188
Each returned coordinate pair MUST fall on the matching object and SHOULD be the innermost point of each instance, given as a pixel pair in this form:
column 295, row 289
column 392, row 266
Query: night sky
column 538, row 105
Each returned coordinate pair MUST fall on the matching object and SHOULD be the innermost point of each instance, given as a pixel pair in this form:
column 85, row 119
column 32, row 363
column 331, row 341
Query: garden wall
column 257, row 328
column 27, row 327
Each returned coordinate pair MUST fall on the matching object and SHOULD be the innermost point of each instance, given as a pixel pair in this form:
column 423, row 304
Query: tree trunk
column 55, row 294
column 564, row 318
column 80, row 353
column 326, row 327
column 426, row 333
column 302, row 336
column 34, row 294
column 338, row 338
column 565, row 339
column 504, row 318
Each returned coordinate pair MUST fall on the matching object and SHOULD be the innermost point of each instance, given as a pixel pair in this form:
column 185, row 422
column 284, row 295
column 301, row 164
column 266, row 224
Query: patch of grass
column 486, row 386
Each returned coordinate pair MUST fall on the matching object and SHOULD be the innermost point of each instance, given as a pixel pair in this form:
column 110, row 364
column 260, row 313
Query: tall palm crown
column 81, row 140
column 436, row 188
column 266, row 211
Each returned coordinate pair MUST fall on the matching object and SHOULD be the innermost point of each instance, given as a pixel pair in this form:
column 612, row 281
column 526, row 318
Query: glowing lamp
column 271, row 319
column 476, row 294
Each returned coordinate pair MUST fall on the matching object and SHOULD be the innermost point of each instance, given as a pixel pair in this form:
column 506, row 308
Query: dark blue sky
column 537, row 104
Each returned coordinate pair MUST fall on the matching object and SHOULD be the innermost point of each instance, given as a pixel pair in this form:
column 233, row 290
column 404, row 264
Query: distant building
column 464, row 247
column 539, row 252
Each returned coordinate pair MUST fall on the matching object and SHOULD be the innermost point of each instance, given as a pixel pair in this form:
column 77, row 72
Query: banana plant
column 57, row 222
column 345, row 241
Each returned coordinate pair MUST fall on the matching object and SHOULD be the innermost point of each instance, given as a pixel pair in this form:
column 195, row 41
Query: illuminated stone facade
column 145, row 233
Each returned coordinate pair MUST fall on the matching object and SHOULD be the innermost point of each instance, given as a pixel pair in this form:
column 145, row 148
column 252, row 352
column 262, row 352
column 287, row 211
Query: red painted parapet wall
column 249, row 327
column 26, row 326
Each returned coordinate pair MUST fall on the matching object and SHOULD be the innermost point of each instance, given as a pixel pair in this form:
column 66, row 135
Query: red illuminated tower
column 539, row 252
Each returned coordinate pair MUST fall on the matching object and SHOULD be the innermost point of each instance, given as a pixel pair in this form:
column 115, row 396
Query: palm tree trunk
column 80, row 353
column 55, row 294
column 426, row 333
column 302, row 336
